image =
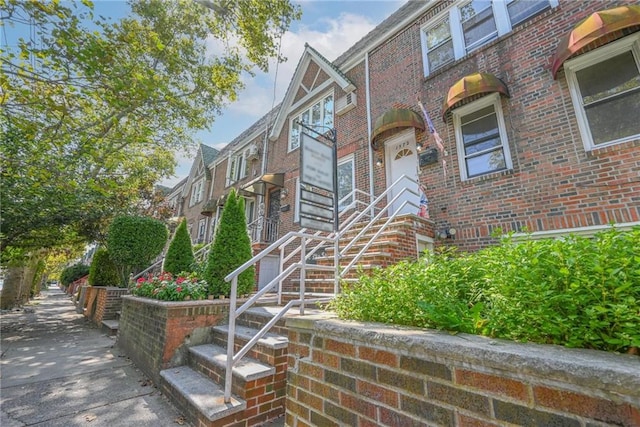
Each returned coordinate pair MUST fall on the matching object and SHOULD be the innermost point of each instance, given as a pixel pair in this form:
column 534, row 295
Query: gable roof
column 332, row 71
column 209, row 154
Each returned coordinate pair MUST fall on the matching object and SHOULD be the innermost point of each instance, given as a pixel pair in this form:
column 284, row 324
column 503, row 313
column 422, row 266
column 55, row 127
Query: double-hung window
column 318, row 116
column 605, row 89
column 237, row 167
column 481, row 138
column 197, row 192
column 472, row 24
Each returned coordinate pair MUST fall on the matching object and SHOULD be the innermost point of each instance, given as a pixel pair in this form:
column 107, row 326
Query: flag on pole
column 436, row 137
column 424, row 203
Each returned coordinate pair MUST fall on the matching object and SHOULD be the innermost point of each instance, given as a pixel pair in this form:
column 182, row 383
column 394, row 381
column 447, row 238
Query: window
column 605, row 89
column 463, row 28
column 319, row 117
column 481, row 138
column 197, row 192
column 202, row 227
column 249, row 209
column 346, row 181
column 237, row 167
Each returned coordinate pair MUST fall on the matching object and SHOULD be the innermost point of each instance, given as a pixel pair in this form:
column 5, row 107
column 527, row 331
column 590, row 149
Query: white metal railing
column 309, row 244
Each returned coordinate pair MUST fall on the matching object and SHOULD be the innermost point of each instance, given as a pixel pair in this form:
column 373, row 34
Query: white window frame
column 197, row 192
column 202, row 230
column 296, row 207
column 500, row 15
column 235, row 173
column 629, row 43
column 309, row 109
column 348, row 159
column 486, row 101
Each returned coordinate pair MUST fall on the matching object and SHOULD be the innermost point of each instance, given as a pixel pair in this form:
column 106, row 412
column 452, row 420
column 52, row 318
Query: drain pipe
column 368, row 103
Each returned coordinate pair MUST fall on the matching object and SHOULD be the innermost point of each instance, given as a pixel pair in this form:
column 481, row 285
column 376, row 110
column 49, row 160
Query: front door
column 270, row 231
column 402, row 159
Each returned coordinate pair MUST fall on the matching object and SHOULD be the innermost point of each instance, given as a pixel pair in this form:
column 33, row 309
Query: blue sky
column 330, row 26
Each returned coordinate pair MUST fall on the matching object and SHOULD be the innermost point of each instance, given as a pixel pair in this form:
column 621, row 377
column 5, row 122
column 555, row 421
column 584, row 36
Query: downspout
column 368, row 103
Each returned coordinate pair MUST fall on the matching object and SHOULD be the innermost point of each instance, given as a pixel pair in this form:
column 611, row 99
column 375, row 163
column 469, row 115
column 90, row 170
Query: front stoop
column 110, row 326
column 259, row 379
column 200, row 399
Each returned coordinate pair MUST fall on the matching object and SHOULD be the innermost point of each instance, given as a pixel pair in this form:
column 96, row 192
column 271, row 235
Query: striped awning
column 593, row 30
column 395, row 118
column 470, row 86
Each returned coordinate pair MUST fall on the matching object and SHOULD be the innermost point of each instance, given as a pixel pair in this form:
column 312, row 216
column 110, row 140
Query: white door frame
column 402, row 140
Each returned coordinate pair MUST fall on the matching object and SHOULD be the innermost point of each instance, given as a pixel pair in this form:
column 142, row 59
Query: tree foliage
column 103, row 271
column 92, row 110
column 73, row 273
column 231, row 248
column 179, row 257
column 133, row 242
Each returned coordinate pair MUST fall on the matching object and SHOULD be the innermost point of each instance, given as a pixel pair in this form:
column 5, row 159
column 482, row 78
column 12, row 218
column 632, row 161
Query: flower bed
column 167, row 287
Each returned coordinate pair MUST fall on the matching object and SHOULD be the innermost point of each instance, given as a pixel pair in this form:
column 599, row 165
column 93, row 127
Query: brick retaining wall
column 156, row 334
column 108, row 303
column 363, row 374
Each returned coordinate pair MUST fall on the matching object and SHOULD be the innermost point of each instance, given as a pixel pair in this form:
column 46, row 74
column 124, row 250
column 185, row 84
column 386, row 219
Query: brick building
column 536, row 103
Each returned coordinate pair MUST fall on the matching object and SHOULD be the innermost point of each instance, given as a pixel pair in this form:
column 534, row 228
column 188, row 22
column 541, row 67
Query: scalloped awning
column 395, row 118
column 259, row 185
column 593, row 30
column 471, row 85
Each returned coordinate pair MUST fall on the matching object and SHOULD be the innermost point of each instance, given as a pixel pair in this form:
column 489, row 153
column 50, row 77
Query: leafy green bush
column 231, row 248
column 179, row 256
column 133, row 242
column 73, row 273
column 103, row 271
column 168, row 287
column 578, row 292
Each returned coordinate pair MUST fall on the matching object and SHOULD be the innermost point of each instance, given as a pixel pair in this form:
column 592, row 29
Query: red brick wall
column 155, row 334
column 108, row 302
column 359, row 374
column 555, row 183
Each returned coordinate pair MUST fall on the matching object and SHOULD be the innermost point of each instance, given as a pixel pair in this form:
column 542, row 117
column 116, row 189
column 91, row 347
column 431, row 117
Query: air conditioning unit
column 346, row 103
column 253, row 153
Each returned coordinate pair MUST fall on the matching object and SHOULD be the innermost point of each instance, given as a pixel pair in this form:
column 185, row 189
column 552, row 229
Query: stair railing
column 234, row 312
column 200, row 255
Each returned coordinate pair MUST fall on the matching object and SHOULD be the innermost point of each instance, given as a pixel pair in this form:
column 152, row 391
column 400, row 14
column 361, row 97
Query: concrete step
column 110, row 326
column 247, row 369
column 198, row 396
column 271, row 349
column 270, row 340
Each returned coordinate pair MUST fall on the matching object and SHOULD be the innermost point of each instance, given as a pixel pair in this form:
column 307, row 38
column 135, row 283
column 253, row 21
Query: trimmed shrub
column 73, row 273
column 231, row 248
column 133, row 242
column 103, row 271
column 179, row 256
column 576, row 291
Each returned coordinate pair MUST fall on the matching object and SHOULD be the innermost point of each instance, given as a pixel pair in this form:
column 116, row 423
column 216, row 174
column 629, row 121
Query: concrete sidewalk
column 58, row 369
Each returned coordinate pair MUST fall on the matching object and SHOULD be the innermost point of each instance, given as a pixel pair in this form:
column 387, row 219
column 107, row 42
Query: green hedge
column 577, row 292
column 103, row 271
column 73, row 273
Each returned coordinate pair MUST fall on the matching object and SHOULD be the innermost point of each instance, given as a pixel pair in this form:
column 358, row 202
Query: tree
column 231, row 248
column 91, row 110
column 133, row 242
column 179, row 256
column 103, row 271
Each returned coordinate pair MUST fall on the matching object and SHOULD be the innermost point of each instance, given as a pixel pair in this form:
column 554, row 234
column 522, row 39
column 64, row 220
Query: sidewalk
column 58, row 369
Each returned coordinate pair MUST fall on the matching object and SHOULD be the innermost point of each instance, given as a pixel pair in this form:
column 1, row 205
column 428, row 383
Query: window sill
column 488, row 177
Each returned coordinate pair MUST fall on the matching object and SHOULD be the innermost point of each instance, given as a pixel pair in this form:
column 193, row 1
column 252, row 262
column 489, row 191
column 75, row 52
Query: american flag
column 436, row 137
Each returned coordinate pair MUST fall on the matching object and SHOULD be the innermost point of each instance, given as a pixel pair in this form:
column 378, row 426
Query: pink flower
column 140, row 279
column 179, row 289
column 180, row 280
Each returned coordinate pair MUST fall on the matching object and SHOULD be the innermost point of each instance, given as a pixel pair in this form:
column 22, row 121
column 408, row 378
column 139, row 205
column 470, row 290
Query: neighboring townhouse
column 189, row 196
column 174, row 197
column 536, row 104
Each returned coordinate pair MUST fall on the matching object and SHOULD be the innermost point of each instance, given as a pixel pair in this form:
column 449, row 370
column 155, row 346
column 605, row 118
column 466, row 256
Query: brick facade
column 344, row 373
column 108, row 303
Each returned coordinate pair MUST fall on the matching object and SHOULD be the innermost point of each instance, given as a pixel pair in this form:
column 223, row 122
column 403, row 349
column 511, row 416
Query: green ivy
column 576, row 291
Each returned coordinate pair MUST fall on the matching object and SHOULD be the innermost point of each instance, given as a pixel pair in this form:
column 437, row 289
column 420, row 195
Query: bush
column 179, row 256
column 169, row 287
column 231, row 248
column 103, row 271
column 73, row 273
column 577, row 292
column 133, row 242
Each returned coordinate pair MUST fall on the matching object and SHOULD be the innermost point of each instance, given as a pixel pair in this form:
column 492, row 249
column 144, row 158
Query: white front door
column 402, row 159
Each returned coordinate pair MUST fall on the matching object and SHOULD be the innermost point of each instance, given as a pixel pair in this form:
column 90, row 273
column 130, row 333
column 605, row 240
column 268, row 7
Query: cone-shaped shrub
column 179, row 256
column 103, row 271
column 231, row 248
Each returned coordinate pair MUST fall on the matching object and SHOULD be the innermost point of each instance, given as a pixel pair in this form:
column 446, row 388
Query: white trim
column 425, row 239
column 349, row 158
column 578, row 231
column 486, row 101
column 308, row 106
column 630, row 43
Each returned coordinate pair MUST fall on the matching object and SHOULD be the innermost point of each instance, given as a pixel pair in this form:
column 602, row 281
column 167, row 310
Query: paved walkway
column 58, row 369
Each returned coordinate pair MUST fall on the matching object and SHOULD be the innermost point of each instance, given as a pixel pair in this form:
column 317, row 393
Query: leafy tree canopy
column 92, row 110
